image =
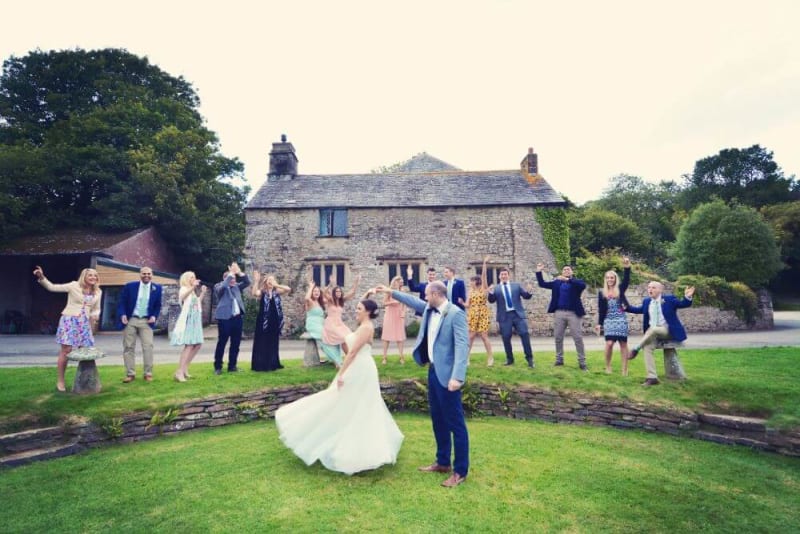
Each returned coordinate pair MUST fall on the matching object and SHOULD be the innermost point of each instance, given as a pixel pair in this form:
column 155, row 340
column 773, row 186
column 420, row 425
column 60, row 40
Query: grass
column 525, row 477
column 757, row 382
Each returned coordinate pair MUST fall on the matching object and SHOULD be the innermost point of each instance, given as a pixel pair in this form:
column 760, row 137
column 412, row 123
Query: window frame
column 328, row 222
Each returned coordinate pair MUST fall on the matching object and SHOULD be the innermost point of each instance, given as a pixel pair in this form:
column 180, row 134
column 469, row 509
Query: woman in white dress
column 347, row 427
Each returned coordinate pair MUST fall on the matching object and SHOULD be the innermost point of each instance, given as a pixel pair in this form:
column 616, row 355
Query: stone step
column 735, row 422
column 31, row 439
column 45, row 453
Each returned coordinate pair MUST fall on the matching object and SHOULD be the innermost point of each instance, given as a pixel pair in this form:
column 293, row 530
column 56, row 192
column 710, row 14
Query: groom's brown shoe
column 454, row 480
column 435, row 468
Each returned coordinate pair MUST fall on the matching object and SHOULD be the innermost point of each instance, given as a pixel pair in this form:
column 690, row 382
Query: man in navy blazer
column 456, row 290
column 660, row 322
column 443, row 343
column 419, row 288
column 229, row 316
column 137, row 311
column 567, row 310
column 511, row 314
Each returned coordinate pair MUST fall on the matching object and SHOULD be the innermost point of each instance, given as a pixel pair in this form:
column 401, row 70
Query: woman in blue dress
column 613, row 323
column 188, row 330
column 315, row 318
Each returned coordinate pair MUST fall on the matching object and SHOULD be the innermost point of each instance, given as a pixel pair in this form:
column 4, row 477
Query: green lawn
column 525, row 477
column 759, row 382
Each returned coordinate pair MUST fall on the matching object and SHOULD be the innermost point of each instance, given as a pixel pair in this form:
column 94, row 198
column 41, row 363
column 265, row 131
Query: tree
column 785, row 221
column 650, row 207
column 106, row 141
column 749, row 176
column 733, row 242
column 595, row 229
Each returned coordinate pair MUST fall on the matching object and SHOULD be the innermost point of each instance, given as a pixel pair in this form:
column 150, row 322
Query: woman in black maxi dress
column 269, row 323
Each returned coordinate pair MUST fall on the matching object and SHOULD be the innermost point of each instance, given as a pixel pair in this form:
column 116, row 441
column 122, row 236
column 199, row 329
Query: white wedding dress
column 348, row 429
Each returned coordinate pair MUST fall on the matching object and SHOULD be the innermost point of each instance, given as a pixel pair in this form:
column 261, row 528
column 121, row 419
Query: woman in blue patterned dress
column 188, row 330
column 611, row 304
column 79, row 316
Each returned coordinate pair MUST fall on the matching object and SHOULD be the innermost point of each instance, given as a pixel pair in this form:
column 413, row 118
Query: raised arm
column 540, row 278
column 484, row 280
column 352, row 293
column 256, row 289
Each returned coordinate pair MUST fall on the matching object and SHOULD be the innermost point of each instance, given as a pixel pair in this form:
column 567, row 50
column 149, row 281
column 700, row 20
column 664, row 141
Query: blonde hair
column 614, row 289
column 82, row 280
column 185, row 277
column 395, row 279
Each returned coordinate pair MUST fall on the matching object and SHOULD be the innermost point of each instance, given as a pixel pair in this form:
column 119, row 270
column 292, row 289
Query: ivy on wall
column 555, row 231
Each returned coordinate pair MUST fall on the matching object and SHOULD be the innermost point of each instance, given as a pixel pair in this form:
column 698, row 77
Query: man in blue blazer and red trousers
column 137, row 311
column 660, row 322
column 443, row 343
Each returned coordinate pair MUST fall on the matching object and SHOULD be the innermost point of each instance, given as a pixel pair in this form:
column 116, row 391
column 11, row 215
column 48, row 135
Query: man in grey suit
column 511, row 315
column 443, row 343
column 229, row 315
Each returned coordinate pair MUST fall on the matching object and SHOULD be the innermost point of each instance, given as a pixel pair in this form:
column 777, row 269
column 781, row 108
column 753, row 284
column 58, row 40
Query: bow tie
column 434, row 310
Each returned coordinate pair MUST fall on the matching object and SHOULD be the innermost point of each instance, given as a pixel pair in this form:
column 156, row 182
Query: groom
column 443, row 343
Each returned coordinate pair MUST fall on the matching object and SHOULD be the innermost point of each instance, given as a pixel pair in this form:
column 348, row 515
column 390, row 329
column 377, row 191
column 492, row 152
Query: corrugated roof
column 405, row 190
column 67, row 242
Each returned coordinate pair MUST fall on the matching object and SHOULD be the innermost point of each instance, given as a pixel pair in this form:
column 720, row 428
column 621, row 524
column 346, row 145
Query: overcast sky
column 597, row 88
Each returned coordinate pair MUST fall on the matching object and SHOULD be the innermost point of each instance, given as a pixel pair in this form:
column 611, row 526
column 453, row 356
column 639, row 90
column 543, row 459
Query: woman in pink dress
column 334, row 330
column 394, row 321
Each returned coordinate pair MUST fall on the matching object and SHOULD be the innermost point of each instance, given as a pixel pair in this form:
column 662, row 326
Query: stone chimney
column 282, row 161
column 530, row 163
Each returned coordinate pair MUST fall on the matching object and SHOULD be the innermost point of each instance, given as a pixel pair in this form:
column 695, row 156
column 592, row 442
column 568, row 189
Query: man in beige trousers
column 137, row 312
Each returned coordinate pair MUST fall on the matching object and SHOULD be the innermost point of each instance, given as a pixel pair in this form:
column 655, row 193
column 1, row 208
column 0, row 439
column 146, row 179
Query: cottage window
column 398, row 268
column 323, row 273
column 492, row 271
column 333, row 222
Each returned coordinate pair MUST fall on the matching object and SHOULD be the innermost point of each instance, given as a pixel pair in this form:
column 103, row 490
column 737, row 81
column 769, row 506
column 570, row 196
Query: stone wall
column 521, row 402
column 286, row 243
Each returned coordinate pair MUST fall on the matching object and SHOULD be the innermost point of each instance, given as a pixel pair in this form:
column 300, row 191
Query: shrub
column 716, row 291
column 591, row 268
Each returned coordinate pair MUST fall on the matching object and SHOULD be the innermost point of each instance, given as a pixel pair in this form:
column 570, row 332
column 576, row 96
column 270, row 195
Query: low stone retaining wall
column 406, row 395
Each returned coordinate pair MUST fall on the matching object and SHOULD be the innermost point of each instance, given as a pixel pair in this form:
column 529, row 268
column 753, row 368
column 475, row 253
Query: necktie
column 449, row 290
column 507, row 293
column 658, row 312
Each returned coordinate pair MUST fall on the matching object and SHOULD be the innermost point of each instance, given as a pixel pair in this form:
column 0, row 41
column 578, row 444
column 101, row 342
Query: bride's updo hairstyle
column 371, row 306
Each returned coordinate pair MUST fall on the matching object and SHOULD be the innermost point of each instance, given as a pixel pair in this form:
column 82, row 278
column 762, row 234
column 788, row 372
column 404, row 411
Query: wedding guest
column 456, row 291
column 477, row 306
column 269, row 323
column 138, row 309
column 394, row 321
column 419, row 288
column 188, row 330
column 78, row 317
column 230, row 316
column 315, row 318
column 611, row 318
column 567, row 310
column 511, row 314
column 334, row 330
column 660, row 322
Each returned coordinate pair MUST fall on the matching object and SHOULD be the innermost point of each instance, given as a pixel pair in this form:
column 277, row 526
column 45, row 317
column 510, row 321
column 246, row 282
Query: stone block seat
column 311, row 354
column 672, row 365
column 87, row 379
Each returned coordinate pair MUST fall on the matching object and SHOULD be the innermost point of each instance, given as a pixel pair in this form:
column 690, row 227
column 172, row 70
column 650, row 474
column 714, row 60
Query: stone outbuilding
column 424, row 213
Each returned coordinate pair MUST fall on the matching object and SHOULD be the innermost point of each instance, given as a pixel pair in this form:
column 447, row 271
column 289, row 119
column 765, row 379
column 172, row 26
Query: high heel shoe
column 179, row 378
column 383, row 361
column 187, row 376
column 490, row 361
column 402, row 360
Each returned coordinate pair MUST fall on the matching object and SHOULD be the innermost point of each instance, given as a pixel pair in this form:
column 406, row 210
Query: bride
column 347, row 427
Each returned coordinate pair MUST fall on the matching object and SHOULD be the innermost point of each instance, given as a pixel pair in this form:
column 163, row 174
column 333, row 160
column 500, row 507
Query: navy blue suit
column 459, row 291
column 670, row 304
column 508, row 320
column 127, row 302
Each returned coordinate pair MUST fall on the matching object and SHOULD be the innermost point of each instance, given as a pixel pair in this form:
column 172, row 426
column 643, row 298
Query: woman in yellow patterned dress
column 477, row 306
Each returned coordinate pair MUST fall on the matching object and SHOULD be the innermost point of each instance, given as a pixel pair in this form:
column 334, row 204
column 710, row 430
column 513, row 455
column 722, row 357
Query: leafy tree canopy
column 104, row 140
column 595, row 229
column 733, row 242
column 750, row 176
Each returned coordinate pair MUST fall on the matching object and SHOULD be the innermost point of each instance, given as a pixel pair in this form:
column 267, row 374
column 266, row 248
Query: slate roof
column 451, row 188
column 423, row 162
column 67, row 242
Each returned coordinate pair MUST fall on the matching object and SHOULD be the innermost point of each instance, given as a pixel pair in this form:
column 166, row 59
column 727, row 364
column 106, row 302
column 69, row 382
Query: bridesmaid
column 394, row 320
column 333, row 329
column 477, row 306
column 79, row 316
column 269, row 323
column 188, row 329
column 315, row 317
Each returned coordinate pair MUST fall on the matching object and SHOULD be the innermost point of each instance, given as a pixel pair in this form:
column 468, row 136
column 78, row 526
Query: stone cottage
column 425, row 213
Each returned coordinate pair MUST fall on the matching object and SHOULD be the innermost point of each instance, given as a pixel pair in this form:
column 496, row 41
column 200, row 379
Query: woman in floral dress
column 477, row 306
column 79, row 316
column 611, row 320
